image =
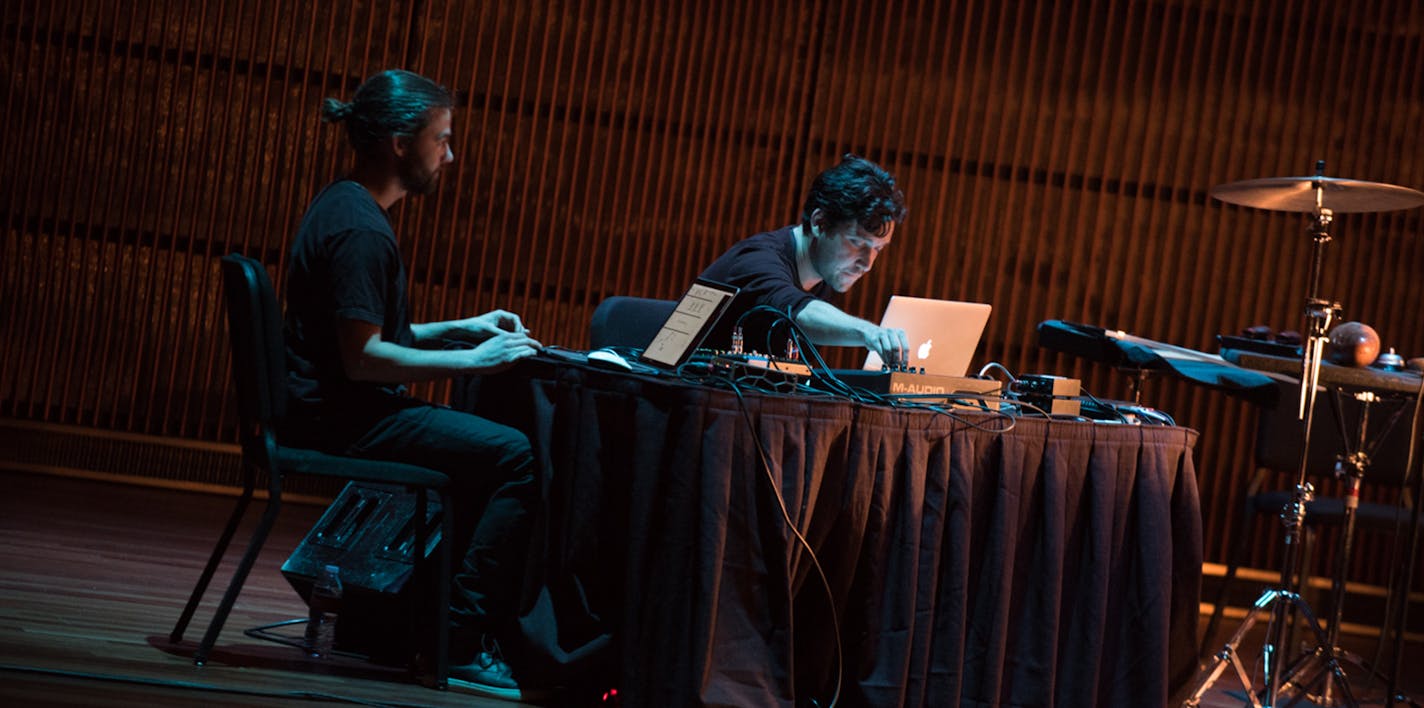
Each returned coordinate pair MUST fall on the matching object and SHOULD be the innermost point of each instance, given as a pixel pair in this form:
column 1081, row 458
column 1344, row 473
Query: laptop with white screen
column 943, row 334
column 696, row 313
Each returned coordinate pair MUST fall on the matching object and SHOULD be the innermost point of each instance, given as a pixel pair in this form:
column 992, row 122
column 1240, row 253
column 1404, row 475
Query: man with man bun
column 351, row 347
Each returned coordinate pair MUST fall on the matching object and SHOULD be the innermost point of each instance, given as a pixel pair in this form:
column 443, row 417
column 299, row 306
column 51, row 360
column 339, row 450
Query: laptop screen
column 943, row 334
column 689, row 323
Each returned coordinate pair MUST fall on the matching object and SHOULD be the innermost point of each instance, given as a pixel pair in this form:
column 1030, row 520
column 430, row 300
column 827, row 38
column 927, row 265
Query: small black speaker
column 369, row 532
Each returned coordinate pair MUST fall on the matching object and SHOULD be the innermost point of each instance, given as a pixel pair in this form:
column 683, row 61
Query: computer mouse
column 609, row 357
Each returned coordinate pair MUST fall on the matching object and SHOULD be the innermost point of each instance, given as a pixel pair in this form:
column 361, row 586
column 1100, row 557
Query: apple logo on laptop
column 924, row 351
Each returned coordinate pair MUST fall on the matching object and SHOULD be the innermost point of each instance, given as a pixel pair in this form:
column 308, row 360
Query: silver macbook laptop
column 943, row 334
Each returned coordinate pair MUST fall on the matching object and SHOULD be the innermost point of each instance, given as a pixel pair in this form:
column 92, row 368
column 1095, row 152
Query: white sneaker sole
column 488, row 691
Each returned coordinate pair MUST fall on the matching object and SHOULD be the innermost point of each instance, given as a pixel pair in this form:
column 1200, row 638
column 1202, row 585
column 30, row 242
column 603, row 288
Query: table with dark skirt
column 1056, row 563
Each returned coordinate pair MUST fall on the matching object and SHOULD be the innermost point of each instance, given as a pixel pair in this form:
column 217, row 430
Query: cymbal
column 1341, row 196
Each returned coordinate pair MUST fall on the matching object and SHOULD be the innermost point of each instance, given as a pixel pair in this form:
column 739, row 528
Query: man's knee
column 518, row 456
column 480, row 436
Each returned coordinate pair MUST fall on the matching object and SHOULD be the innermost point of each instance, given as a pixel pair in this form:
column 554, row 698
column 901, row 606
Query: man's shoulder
column 345, row 207
column 766, row 256
column 777, row 243
column 348, row 200
column 778, row 237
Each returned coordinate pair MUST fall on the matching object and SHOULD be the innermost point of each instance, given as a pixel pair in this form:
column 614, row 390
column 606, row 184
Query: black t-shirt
column 345, row 264
column 764, row 267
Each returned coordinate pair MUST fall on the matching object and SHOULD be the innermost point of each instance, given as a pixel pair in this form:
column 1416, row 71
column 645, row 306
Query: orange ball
column 1354, row 344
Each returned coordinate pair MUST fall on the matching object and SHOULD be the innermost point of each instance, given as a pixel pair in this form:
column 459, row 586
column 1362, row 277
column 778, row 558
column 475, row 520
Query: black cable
column 823, row 373
column 1106, row 406
column 1409, row 465
column 1000, row 367
column 791, row 524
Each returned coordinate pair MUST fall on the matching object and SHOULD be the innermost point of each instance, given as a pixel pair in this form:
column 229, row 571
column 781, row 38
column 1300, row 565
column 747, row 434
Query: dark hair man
column 351, row 346
column 849, row 217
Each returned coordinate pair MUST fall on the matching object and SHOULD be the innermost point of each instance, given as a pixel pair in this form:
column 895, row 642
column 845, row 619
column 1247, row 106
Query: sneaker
column 490, row 676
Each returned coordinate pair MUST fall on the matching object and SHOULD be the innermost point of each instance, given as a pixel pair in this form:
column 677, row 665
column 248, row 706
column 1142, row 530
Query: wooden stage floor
column 93, row 575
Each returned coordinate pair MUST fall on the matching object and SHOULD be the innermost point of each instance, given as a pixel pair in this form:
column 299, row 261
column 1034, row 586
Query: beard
column 842, row 281
column 836, row 274
column 416, row 179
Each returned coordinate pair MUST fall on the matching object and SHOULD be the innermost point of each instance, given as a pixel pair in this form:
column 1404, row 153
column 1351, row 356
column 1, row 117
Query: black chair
column 259, row 372
column 1277, row 454
column 623, row 321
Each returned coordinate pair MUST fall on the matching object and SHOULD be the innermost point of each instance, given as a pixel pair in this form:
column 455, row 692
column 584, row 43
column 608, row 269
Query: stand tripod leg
column 1228, row 654
column 1326, row 674
column 1280, row 602
column 1245, row 679
column 1320, row 665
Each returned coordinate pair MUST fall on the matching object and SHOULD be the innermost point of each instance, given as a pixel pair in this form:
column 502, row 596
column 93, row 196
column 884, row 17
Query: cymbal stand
column 1282, row 601
column 1320, row 313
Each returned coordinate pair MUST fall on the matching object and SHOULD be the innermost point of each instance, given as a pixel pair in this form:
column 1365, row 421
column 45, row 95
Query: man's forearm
column 390, row 363
column 427, row 332
column 826, row 324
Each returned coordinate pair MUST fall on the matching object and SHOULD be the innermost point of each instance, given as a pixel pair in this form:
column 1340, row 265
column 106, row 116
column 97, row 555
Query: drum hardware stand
column 1137, row 380
column 1310, row 667
column 1280, row 601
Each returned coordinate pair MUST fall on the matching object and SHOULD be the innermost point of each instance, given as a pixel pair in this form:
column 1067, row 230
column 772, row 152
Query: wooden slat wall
column 1056, row 156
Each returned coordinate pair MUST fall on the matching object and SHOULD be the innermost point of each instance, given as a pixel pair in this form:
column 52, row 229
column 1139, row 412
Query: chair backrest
column 623, row 321
column 1280, row 436
column 259, row 366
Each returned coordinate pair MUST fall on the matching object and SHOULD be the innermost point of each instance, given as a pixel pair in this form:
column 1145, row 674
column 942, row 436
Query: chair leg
column 438, row 648
column 1233, row 563
column 239, row 576
column 224, row 540
column 442, row 591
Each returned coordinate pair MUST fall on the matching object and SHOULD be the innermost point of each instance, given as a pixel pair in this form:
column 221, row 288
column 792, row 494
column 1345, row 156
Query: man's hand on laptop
column 492, row 323
column 891, row 344
column 500, row 351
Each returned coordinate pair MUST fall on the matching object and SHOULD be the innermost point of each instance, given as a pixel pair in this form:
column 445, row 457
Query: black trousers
column 492, row 469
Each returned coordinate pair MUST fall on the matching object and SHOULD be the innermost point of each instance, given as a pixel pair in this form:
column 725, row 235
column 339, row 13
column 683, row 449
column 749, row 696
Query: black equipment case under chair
column 259, row 372
column 370, row 532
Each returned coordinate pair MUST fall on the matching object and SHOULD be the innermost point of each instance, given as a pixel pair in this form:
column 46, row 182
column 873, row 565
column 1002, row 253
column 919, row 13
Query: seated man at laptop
column 849, row 217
